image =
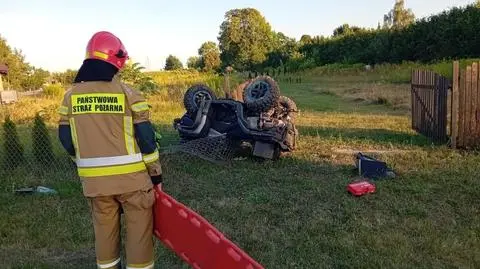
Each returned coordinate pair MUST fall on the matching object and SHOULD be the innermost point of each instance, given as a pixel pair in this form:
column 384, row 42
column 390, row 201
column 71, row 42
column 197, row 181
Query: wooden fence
column 466, row 106
column 429, row 104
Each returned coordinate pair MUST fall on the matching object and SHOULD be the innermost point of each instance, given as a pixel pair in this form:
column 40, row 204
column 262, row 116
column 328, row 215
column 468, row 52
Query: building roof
column 3, row 69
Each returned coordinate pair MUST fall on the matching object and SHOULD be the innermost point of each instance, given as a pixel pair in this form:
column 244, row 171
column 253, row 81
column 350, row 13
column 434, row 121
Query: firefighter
column 105, row 128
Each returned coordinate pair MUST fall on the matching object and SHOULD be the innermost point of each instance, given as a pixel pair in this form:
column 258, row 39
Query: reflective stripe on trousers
column 149, row 265
column 108, row 264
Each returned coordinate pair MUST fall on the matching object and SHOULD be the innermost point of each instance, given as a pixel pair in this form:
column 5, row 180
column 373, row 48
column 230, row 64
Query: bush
column 54, row 90
column 449, row 35
column 13, row 151
column 42, row 145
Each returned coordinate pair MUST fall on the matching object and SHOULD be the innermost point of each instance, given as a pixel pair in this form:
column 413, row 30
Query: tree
column 284, row 48
column 17, row 67
column 245, row 39
column 36, row 78
column 209, row 56
column 305, row 40
column 12, row 148
column 194, row 62
column 173, row 63
column 65, row 78
column 132, row 75
column 42, row 144
column 398, row 17
column 346, row 29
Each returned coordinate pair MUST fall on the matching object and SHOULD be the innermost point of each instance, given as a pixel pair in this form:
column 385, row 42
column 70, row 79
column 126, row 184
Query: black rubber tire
column 191, row 99
column 261, row 94
column 288, row 103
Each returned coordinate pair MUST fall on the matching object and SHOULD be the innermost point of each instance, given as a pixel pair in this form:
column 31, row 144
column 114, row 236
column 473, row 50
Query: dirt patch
column 353, row 91
column 359, row 100
column 380, row 94
column 326, row 92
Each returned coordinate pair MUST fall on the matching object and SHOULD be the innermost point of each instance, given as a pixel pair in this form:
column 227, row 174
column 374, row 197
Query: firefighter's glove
column 157, row 179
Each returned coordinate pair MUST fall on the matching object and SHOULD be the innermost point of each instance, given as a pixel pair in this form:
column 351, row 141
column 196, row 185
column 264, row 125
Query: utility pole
column 147, row 64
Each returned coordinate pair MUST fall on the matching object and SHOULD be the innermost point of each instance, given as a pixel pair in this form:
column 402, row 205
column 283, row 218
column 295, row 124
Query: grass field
column 294, row 213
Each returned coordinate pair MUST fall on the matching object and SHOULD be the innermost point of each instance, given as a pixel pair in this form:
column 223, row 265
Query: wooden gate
column 429, row 104
column 465, row 106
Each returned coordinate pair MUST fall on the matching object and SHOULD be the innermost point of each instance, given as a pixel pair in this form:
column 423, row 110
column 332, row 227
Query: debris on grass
column 370, row 167
column 38, row 189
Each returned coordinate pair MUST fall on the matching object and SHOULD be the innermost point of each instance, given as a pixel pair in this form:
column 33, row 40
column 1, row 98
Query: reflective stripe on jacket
column 101, row 117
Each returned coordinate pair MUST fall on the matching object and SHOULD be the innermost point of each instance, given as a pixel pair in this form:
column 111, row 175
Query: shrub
column 13, row 151
column 42, row 145
column 54, row 90
column 448, row 35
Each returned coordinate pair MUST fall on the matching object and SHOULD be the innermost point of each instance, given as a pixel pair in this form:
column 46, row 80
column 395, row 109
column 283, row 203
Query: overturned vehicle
column 263, row 122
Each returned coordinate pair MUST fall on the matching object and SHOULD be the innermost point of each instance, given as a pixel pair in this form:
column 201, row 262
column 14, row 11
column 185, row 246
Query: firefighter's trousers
column 138, row 216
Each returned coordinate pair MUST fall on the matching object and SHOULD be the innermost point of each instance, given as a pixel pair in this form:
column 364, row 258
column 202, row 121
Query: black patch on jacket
column 145, row 136
column 65, row 135
column 95, row 70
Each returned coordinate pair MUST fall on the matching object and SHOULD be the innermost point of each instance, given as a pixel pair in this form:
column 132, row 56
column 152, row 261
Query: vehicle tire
column 261, row 94
column 194, row 95
column 288, row 106
column 277, row 153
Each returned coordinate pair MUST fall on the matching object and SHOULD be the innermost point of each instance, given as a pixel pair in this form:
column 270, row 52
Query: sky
column 53, row 34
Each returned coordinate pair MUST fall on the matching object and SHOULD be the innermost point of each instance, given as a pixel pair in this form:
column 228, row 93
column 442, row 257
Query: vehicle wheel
column 261, row 94
column 277, row 153
column 289, row 106
column 194, row 96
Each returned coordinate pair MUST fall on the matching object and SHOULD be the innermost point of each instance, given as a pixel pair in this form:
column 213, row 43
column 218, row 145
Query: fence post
column 455, row 96
column 461, row 109
column 468, row 106
column 413, row 81
column 473, row 102
column 476, row 96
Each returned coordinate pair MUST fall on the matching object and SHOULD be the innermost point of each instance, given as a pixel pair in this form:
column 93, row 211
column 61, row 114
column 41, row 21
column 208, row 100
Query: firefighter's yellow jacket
column 106, row 129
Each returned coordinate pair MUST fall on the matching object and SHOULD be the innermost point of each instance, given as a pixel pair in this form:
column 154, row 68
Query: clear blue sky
column 53, row 34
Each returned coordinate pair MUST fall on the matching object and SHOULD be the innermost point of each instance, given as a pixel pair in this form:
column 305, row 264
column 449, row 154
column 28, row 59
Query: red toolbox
column 360, row 188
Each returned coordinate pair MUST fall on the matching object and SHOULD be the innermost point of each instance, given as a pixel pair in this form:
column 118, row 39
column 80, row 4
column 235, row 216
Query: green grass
column 294, row 213
column 387, row 73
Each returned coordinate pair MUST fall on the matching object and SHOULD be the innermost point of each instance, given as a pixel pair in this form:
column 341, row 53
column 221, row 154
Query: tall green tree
column 399, row 17
column 132, row 75
column 194, row 62
column 209, row 56
column 306, row 39
column 36, row 78
column 346, row 29
column 173, row 63
column 450, row 34
column 245, row 39
column 17, row 67
column 42, row 144
column 284, row 48
column 13, row 151
column 65, row 78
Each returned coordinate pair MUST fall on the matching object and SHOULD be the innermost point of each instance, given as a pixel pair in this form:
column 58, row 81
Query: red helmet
column 107, row 47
